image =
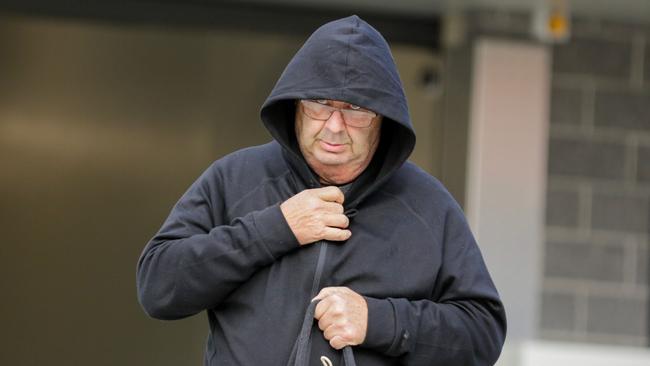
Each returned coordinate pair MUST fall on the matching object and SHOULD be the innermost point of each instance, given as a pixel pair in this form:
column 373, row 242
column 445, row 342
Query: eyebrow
column 347, row 104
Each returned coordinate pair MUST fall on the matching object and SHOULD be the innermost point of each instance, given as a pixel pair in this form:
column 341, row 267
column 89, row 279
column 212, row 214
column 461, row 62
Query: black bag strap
column 302, row 346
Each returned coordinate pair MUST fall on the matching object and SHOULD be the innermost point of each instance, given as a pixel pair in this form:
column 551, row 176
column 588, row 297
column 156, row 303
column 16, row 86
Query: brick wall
column 595, row 283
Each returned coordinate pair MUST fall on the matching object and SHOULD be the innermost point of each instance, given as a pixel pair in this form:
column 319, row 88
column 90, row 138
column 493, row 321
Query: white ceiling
column 635, row 11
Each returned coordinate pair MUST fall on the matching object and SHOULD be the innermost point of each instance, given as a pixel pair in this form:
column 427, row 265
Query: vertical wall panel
column 507, row 171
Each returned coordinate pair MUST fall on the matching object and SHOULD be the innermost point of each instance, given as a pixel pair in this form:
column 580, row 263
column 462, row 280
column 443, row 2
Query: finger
column 324, row 322
column 334, row 329
column 335, row 234
column 322, row 294
column 329, row 320
column 340, row 221
column 326, row 292
column 332, row 207
column 322, row 307
column 331, row 194
column 337, row 343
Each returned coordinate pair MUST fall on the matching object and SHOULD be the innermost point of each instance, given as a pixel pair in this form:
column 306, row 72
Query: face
column 338, row 153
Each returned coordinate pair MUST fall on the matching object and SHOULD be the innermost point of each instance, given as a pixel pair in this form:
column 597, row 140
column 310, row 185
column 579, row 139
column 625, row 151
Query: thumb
column 331, row 194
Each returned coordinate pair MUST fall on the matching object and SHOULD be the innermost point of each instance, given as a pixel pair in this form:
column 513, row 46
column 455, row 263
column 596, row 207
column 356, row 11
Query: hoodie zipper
column 322, row 254
column 320, row 266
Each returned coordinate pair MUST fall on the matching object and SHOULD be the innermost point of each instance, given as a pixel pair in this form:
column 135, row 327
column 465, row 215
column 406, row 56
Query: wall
column 595, row 286
column 102, row 128
column 595, row 282
column 506, row 190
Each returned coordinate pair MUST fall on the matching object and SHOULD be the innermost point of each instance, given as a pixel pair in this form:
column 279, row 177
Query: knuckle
column 338, row 308
column 313, row 203
column 342, row 334
column 341, row 324
column 348, row 333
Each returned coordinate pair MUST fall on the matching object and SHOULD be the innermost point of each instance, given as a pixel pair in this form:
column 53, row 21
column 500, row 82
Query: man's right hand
column 317, row 214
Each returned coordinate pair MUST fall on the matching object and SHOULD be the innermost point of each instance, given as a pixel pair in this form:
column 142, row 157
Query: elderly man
column 331, row 221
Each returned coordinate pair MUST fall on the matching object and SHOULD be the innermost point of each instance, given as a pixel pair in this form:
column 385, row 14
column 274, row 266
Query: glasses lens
column 351, row 117
column 357, row 118
column 316, row 110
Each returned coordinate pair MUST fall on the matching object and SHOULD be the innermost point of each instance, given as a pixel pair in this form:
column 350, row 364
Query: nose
column 335, row 123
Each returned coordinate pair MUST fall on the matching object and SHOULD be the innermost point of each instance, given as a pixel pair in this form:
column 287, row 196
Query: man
column 329, row 211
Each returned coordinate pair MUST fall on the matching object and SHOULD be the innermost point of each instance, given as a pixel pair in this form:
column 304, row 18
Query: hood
column 346, row 60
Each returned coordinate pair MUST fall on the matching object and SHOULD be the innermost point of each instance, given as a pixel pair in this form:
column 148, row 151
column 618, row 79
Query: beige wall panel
column 102, row 128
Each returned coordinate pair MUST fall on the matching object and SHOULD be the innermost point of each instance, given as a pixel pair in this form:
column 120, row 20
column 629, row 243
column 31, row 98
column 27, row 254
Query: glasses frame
column 308, row 105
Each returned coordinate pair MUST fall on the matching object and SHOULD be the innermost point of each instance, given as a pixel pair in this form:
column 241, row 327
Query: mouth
column 331, row 147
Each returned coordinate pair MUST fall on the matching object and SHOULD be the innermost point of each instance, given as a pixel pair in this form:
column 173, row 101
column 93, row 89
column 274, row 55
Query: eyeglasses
column 353, row 116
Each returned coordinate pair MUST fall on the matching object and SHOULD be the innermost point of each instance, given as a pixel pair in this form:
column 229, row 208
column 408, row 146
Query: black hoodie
column 227, row 249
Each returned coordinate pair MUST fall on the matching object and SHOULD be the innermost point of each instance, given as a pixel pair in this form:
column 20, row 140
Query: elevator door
column 102, row 128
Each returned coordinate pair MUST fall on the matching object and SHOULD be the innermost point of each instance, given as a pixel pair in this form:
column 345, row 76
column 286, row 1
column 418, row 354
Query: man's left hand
column 342, row 315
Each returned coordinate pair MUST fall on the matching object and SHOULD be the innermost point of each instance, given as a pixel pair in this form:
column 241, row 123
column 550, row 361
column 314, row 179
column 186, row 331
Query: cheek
column 374, row 139
column 306, row 139
column 359, row 146
column 308, row 135
column 366, row 143
column 302, row 134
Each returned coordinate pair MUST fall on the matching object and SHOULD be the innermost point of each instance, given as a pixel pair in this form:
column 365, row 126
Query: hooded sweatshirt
column 227, row 249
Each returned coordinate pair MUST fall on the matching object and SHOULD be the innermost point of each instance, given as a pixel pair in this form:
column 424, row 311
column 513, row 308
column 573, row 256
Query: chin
column 332, row 159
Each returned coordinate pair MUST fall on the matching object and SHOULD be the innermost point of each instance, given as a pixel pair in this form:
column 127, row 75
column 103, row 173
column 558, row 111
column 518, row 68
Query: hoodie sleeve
column 195, row 260
column 462, row 324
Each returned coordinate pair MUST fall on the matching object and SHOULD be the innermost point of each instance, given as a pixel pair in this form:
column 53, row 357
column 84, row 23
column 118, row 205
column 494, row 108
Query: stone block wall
column 595, row 281
column 595, row 285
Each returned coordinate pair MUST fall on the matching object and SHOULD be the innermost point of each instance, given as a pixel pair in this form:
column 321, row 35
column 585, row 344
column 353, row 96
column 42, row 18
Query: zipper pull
column 326, row 361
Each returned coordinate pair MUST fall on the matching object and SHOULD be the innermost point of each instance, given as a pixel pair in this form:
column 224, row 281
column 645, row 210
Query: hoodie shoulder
column 248, row 166
column 422, row 191
column 268, row 153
